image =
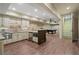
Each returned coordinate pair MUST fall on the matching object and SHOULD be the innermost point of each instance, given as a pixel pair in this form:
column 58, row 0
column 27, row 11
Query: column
column 1, row 47
column 61, row 28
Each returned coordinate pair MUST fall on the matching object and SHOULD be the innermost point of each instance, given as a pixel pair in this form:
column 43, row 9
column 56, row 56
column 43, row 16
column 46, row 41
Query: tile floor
column 53, row 46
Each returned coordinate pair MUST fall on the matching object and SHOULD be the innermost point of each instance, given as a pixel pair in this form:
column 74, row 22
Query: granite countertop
column 20, row 32
column 33, row 31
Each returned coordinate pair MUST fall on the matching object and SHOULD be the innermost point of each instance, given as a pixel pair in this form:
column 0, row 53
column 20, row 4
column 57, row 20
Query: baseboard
column 15, row 42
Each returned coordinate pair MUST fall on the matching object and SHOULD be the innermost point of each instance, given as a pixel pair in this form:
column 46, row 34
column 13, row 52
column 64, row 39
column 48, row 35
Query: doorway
column 67, row 26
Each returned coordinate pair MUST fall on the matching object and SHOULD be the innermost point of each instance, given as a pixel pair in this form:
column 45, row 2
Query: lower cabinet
column 14, row 39
column 26, row 35
column 17, row 37
column 22, row 36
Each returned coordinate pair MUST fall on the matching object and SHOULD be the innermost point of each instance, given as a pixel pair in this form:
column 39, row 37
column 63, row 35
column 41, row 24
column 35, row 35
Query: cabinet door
column 14, row 37
column 20, row 36
column 26, row 35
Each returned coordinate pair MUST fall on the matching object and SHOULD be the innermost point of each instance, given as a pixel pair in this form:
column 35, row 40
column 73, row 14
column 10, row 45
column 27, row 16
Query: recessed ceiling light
column 34, row 19
column 25, row 16
column 68, row 8
column 36, row 16
column 35, row 10
column 44, row 14
column 20, row 3
column 13, row 9
column 28, row 13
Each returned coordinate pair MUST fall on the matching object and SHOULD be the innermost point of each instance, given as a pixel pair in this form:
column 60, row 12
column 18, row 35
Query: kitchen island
column 38, row 37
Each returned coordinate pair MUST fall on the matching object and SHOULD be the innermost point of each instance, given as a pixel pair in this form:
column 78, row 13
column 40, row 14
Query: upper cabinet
column 14, row 24
column 25, row 25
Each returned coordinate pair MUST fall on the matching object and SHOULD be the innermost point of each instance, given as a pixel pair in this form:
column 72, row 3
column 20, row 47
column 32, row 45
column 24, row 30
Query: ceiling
column 37, row 10
column 4, row 7
column 65, row 8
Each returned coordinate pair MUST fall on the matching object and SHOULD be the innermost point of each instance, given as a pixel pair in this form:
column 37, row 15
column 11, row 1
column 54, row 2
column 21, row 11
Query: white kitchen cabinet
column 25, row 35
column 22, row 35
column 15, row 37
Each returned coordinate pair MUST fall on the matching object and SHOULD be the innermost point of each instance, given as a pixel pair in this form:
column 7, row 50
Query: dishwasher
column 35, row 37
